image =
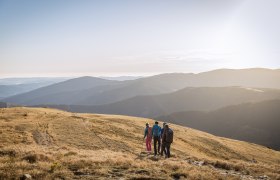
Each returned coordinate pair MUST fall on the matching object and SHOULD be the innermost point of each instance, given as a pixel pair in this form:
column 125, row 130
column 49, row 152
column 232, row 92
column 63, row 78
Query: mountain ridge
column 190, row 98
column 256, row 122
column 159, row 84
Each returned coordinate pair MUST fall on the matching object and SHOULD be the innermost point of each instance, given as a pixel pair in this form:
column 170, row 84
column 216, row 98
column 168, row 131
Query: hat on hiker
column 147, row 124
column 156, row 122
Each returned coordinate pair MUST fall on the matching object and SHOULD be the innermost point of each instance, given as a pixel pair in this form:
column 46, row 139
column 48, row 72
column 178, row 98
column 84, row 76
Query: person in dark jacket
column 167, row 139
column 156, row 132
column 162, row 148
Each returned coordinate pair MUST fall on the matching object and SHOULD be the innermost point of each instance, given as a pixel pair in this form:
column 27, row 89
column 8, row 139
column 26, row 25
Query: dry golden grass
column 53, row 144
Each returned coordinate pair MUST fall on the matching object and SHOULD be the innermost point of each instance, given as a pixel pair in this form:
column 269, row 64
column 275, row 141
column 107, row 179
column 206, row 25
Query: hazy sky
column 69, row 38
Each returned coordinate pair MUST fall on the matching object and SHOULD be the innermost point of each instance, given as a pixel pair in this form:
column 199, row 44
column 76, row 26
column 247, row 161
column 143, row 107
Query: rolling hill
column 187, row 99
column 253, row 122
column 11, row 90
column 120, row 78
column 51, row 144
column 32, row 80
column 255, row 77
column 14, row 86
column 66, row 91
column 90, row 91
column 3, row 105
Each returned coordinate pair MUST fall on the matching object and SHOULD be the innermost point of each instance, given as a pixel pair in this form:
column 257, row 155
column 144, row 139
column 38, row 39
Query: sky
column 129, row 37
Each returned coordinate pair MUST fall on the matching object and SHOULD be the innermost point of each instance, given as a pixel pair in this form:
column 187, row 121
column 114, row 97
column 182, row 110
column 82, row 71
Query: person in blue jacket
column 156, row 133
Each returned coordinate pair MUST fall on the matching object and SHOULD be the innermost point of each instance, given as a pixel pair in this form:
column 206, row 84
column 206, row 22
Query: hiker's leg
column 168, row 149
column 147, row 144
column 155, row 145
column 159, row 145
column 150, row 145
column 162, row 149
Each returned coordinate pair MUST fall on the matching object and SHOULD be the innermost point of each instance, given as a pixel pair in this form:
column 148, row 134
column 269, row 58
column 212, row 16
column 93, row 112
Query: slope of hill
column 87, row 94
column 11, row 90
column 253, row 122
column 79, row 93
column 3, row 105
column 145, row 86
column 52, row 144
column 199, row 98
column 255, row 77
column 120, row 78
column 32, row 80
column 14, row 86
column 64, row 92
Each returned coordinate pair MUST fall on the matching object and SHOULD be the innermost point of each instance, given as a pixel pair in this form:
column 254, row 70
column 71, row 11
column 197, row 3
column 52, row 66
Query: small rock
column 25, row 176
column 263, row 177
column 198, row 163
column 254, row 160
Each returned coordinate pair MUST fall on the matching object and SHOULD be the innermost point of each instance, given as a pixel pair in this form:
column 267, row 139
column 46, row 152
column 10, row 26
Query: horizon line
column 114, row 75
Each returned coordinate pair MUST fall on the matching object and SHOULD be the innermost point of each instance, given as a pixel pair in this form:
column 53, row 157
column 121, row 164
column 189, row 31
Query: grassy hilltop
column 53, row 144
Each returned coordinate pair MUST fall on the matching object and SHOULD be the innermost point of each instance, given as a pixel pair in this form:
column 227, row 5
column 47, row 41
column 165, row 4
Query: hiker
column 162, row 148
column 167, row 139
column 148, row 136
column 156, row 132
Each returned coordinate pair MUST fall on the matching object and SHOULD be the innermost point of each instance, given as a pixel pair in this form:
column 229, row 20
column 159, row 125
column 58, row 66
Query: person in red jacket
column 148, row 136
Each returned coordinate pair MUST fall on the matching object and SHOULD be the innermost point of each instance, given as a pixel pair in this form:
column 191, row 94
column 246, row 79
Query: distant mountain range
column 253, row 122
column 32, row 80
column 187, row 99
column 66, row 91
column 3, row 105
column 120, row 78
column 97, row 91
column 14, row 86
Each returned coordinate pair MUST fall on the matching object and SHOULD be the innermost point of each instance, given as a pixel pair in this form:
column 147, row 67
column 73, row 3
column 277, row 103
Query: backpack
column 156, row 131
column 149, row 135
column 169, row 135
